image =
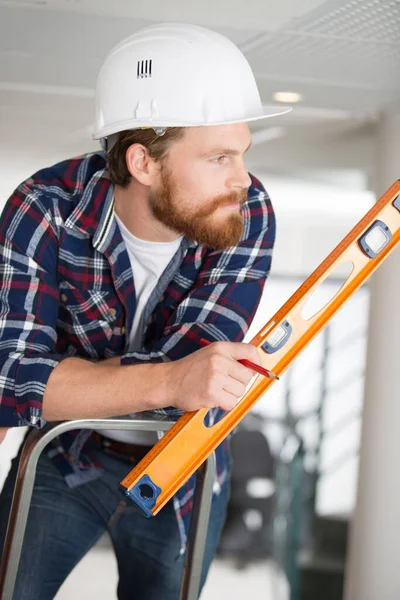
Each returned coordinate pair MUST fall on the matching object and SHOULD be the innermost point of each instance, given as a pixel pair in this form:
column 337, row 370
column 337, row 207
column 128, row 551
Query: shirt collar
column 91, row 216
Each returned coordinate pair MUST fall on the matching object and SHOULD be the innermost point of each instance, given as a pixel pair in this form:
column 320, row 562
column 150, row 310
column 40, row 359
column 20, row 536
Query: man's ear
column 140, row 165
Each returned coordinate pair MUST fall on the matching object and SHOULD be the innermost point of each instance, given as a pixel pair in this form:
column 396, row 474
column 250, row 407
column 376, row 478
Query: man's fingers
column 235, row 387
column 242, row 374
column 240, row 351
column 227, row 401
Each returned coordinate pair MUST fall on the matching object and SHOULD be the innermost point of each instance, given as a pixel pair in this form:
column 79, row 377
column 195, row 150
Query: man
column 114, row 266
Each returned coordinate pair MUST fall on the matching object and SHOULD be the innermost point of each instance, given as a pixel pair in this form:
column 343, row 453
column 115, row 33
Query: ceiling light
column 290, row 97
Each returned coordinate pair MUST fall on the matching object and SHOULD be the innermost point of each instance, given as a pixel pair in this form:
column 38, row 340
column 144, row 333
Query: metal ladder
column 33, row 447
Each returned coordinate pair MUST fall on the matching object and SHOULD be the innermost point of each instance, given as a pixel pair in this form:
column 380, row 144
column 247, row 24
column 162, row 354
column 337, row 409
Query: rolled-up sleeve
column 29, row 302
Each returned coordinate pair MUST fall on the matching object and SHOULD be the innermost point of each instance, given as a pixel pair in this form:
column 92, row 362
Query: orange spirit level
column 189, row 442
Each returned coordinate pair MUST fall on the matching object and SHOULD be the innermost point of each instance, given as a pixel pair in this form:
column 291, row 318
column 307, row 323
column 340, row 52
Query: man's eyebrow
column 228, row 151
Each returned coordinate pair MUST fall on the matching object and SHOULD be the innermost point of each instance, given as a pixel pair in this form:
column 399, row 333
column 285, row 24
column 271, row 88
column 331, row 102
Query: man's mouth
column 233, row 206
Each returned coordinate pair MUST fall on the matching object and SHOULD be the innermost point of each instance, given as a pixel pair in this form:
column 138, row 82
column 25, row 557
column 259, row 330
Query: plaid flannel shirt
column 67, row 289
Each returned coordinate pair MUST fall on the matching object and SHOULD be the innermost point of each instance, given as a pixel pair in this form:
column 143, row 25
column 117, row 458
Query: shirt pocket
column 89, row 319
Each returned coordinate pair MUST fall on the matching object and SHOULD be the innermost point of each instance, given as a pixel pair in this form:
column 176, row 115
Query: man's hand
column 211, row 377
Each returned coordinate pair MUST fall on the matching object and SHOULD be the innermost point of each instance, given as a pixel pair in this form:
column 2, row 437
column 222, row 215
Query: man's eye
column 220, row 160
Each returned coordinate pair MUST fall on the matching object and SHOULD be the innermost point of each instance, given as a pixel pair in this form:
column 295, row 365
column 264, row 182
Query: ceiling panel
column 50, row 48
column 348, row 62
column 366, row 20
column 234, row 14
column 35, row 32
column 344, row 54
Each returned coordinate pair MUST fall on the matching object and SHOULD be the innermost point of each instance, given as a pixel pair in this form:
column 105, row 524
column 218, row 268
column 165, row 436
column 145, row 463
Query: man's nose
column 241, row 178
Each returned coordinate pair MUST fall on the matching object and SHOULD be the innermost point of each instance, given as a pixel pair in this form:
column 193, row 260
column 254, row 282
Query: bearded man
column 114, row 265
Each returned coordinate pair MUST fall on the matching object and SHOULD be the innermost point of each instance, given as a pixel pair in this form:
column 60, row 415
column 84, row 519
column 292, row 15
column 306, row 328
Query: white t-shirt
column 148, row 261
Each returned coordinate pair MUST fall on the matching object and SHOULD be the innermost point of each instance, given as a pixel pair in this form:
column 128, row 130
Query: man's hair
column 157, row 146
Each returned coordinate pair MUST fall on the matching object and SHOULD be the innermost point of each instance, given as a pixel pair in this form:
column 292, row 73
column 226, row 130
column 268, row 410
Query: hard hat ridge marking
column 144, row 68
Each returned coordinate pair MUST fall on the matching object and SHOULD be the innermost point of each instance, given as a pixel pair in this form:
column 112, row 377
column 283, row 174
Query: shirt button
column 123, row 330
column 112, row 312
column 162, row 299
column 64, row 297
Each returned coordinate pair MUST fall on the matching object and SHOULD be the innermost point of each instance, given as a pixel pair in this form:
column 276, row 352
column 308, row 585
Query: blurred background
column 301, row 454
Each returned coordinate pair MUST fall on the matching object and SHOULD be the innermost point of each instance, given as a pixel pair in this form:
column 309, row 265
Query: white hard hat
column 176, row 75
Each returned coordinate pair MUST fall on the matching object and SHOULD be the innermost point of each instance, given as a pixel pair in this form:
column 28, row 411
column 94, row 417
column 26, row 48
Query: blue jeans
column 63, row 524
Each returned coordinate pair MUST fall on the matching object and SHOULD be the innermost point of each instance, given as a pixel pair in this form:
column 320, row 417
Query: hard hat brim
column 267, row 112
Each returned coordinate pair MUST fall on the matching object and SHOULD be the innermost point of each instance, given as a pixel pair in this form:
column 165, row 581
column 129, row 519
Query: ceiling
column 342, row 56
